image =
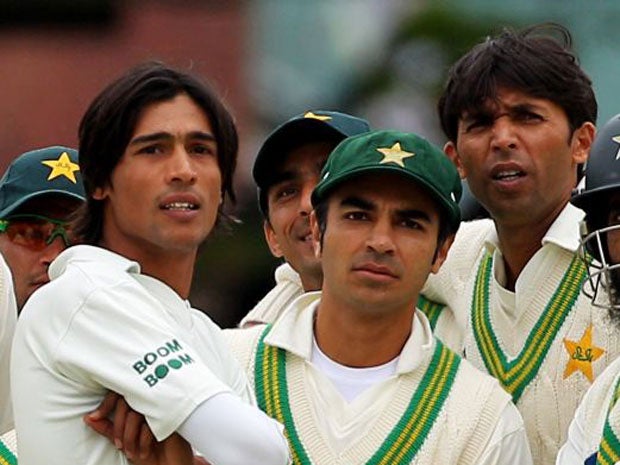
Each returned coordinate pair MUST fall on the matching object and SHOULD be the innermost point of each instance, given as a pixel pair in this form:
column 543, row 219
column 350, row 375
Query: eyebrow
column 492, row 111
column 364, row 204
column 158, row 136
column 358, row 202
column 282, row 176
column 414, row 214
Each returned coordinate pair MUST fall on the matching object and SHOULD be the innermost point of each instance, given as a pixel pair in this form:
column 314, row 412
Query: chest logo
column 581, row 354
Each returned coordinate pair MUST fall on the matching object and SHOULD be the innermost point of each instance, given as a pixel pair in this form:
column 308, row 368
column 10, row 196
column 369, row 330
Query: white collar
column 90, row 253
column 293, row 332
column 563, row 232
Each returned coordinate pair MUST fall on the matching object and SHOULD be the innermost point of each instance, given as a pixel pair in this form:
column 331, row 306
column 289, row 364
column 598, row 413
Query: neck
column 519, row 243
column 311, row 281
column 360, row 340
column 178, row 277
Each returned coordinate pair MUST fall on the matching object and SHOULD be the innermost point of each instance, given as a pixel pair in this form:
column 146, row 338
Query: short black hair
column 537, row 60
column 110, row 120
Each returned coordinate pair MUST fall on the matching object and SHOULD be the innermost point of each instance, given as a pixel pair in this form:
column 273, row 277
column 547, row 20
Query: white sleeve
column 227, row 431
column 508, row 444
column 575, row 448
column 8, row 319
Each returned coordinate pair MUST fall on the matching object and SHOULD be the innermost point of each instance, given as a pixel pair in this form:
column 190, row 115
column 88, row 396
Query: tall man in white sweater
column 157, row 155
column 354, row 371
column 594, row 432
column 519, row 114
column 286, row 169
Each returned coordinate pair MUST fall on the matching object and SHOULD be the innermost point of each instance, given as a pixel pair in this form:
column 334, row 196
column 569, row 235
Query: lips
column 508, row 175
column 180, row 202
column 507, row 172
column 375, row 268
column 306, row 237
column 180, row 206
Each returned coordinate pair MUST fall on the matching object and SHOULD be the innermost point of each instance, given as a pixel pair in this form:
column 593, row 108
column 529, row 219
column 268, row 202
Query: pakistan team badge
column 62, row 167
column 394, row 154
column 581, row 354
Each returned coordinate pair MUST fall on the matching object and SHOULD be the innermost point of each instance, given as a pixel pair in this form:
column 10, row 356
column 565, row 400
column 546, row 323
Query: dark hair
column 533, row 61
column 110, row 120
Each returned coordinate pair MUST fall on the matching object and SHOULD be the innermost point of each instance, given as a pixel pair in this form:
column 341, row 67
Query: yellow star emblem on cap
column 581, row 354
column 309, row 114
column 62, row 167
column 394, row 154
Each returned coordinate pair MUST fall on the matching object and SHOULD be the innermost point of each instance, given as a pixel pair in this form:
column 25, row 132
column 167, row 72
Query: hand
column 131, row 434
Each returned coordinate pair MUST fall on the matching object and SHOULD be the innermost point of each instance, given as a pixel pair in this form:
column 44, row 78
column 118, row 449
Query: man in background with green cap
column 286, row 169
column 354, row 372
column 38, row 192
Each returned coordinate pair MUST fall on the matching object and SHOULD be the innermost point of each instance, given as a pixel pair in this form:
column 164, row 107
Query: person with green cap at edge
column 594, row 431
column 286, row 169
column 519, row 114
column 354, row 372
column 38, row 193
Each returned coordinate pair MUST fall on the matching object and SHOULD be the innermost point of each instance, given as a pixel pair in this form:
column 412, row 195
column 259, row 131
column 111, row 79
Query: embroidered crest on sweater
column 515, row 374
column 581, row 354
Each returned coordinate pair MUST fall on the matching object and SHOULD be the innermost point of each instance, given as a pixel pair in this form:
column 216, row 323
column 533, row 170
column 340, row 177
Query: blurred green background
column 384, row 60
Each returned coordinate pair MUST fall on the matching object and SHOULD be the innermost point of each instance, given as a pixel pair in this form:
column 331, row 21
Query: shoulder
column 448, row 285
column 470, row 238
column 288, row 287
column 480, row 385
column 243, row 343
column 596, row 401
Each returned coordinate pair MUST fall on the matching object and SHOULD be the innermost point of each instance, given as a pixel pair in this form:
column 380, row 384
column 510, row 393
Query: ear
column 316, row 235
column 272, row 240
column 100, row 193
column 581, row 142
column 450, row 149
column 442, row 253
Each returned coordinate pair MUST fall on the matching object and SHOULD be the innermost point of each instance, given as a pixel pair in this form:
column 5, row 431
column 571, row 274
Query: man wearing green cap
column 286, row 170
column 354, row 372
column 38, row 192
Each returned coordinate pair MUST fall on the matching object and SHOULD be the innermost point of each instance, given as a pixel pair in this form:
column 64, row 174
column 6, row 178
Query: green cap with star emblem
column 50, row 170
column 310, row 126
column 394, row 152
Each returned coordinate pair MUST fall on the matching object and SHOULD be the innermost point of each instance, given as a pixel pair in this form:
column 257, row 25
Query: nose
column 181, row 168
column 380, row 238
column 305, row 204
column 49, row 253
column 504, row 134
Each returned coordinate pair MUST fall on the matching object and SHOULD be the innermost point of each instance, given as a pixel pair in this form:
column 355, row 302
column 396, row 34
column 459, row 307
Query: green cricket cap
column 311, row 126
column 50, row 170
column 396, row 152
